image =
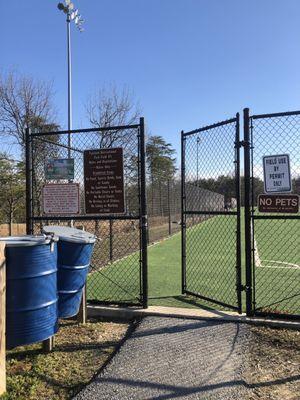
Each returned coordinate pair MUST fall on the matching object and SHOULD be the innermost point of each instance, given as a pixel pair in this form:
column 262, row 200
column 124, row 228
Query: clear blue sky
column 189, row 62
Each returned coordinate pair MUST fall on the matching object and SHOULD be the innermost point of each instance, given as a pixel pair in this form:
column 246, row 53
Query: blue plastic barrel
column 31, row 289
column 75, row 248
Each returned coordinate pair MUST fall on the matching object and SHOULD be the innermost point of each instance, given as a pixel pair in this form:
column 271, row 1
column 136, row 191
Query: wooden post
column 48, row 344
column 81, row 317
column 2, row 320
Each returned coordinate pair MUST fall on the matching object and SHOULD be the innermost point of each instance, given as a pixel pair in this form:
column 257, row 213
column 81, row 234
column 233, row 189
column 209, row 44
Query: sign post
column 104, row 181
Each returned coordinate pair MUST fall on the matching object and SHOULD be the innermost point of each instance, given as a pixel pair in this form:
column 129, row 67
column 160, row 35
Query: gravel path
column 171, row 358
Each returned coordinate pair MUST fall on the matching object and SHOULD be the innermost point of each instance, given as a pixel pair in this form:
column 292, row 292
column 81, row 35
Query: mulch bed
column 80, row 351
column 274, row 364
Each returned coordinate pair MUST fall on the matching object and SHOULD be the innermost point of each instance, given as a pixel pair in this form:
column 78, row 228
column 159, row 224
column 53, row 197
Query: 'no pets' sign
column 277, row 175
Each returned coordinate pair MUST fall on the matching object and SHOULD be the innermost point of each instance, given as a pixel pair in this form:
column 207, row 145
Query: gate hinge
column 242, row 288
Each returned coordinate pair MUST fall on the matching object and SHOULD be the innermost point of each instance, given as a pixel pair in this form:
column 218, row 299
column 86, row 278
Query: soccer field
column 277, row 259
column 211, row 271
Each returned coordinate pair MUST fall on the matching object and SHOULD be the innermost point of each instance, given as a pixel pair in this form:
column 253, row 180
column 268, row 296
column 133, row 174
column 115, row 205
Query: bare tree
column 12, row 183
column 23, row 102
column 110, row 107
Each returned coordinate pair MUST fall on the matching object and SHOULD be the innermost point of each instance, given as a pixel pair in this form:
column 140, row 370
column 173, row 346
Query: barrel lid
column 69, row 234
column 27, row 240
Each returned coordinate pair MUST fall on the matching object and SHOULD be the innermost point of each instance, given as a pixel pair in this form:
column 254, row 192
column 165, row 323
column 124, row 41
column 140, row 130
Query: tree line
column 26, row 102
column 29, row 103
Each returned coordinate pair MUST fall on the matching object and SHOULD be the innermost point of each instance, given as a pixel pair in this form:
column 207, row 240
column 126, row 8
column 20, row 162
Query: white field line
column 274, row 264
column 256, row 255
column 282, row 264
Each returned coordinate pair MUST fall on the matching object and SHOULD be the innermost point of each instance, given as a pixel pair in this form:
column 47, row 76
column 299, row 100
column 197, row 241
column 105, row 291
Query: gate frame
column 142, row 214
column 250, row 217
column 237, row 145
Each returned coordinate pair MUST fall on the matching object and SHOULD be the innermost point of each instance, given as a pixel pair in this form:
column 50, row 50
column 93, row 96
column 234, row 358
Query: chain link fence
column 275, row 237
column 119, row 237
column 164, row 208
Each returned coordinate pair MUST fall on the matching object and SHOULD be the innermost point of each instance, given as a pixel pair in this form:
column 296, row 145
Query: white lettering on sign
column 277, row 175
column 61, row 198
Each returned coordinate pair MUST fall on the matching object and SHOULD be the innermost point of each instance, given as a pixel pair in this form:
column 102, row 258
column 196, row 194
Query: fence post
column 247, row 183
column 28, row 163
column 169, row 208
column 111, row 256
column 2, row 320
column 143, row 214
column 238, row 222
column 183, row 222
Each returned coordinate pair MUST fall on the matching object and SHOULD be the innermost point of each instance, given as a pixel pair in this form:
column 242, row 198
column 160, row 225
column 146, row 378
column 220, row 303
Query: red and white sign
column 61, row 198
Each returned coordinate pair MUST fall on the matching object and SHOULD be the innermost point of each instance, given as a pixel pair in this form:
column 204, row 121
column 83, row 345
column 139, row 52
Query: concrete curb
column 129, row 313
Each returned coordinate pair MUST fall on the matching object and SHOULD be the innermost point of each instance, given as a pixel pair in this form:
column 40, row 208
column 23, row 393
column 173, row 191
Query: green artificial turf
column 211, row 268
column 277, row 276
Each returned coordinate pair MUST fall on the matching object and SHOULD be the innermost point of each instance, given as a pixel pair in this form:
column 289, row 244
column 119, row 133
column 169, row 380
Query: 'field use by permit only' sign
column 277, row 174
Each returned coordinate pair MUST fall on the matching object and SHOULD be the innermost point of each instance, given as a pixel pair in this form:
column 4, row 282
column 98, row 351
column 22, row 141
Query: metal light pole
column 72, row 15
column 69, row 84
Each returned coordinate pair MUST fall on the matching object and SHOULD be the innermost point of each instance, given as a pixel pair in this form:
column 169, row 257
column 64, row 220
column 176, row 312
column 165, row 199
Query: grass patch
column 80, row 351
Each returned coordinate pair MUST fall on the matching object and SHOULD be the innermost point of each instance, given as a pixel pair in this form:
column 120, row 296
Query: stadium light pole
column 72, row 15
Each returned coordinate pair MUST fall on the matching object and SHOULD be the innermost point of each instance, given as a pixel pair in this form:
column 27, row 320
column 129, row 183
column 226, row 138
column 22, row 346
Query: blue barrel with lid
column 31, row 289
column 75, row 248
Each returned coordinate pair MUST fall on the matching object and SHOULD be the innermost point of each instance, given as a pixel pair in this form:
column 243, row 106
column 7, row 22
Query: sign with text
column 278, row 203
column 277, row 175
column 61, row 198
column 59, row 168
column 104, row 181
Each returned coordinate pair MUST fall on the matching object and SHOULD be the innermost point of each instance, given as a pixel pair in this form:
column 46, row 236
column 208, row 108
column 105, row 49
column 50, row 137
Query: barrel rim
column 69, row 234
column 28, row 240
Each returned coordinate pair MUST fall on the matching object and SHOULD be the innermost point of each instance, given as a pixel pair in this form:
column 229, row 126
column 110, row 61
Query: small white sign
column 277, row 173
column 61, row 198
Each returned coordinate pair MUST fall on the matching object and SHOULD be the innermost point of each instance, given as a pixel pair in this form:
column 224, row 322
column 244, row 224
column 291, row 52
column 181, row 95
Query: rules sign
column 104, row 181
column 61, row 198
column 277, row 175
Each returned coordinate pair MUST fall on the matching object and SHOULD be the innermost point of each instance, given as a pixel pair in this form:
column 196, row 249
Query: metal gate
column 211, row 230
column 118, row 273
column 272, row 239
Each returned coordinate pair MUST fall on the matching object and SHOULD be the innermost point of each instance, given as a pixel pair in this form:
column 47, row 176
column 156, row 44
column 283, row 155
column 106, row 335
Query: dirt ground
column 274, row 364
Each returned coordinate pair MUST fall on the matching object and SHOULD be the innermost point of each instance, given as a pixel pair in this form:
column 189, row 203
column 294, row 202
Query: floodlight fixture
column 72, row 13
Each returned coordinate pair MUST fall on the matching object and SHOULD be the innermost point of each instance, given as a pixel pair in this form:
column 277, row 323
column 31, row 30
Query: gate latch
column 242, row 143
column 242, row 288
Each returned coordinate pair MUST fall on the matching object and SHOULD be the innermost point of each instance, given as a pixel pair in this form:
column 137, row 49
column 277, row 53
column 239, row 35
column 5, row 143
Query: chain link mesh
column 275, row 242
column 164, row 208
column 210, row 194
